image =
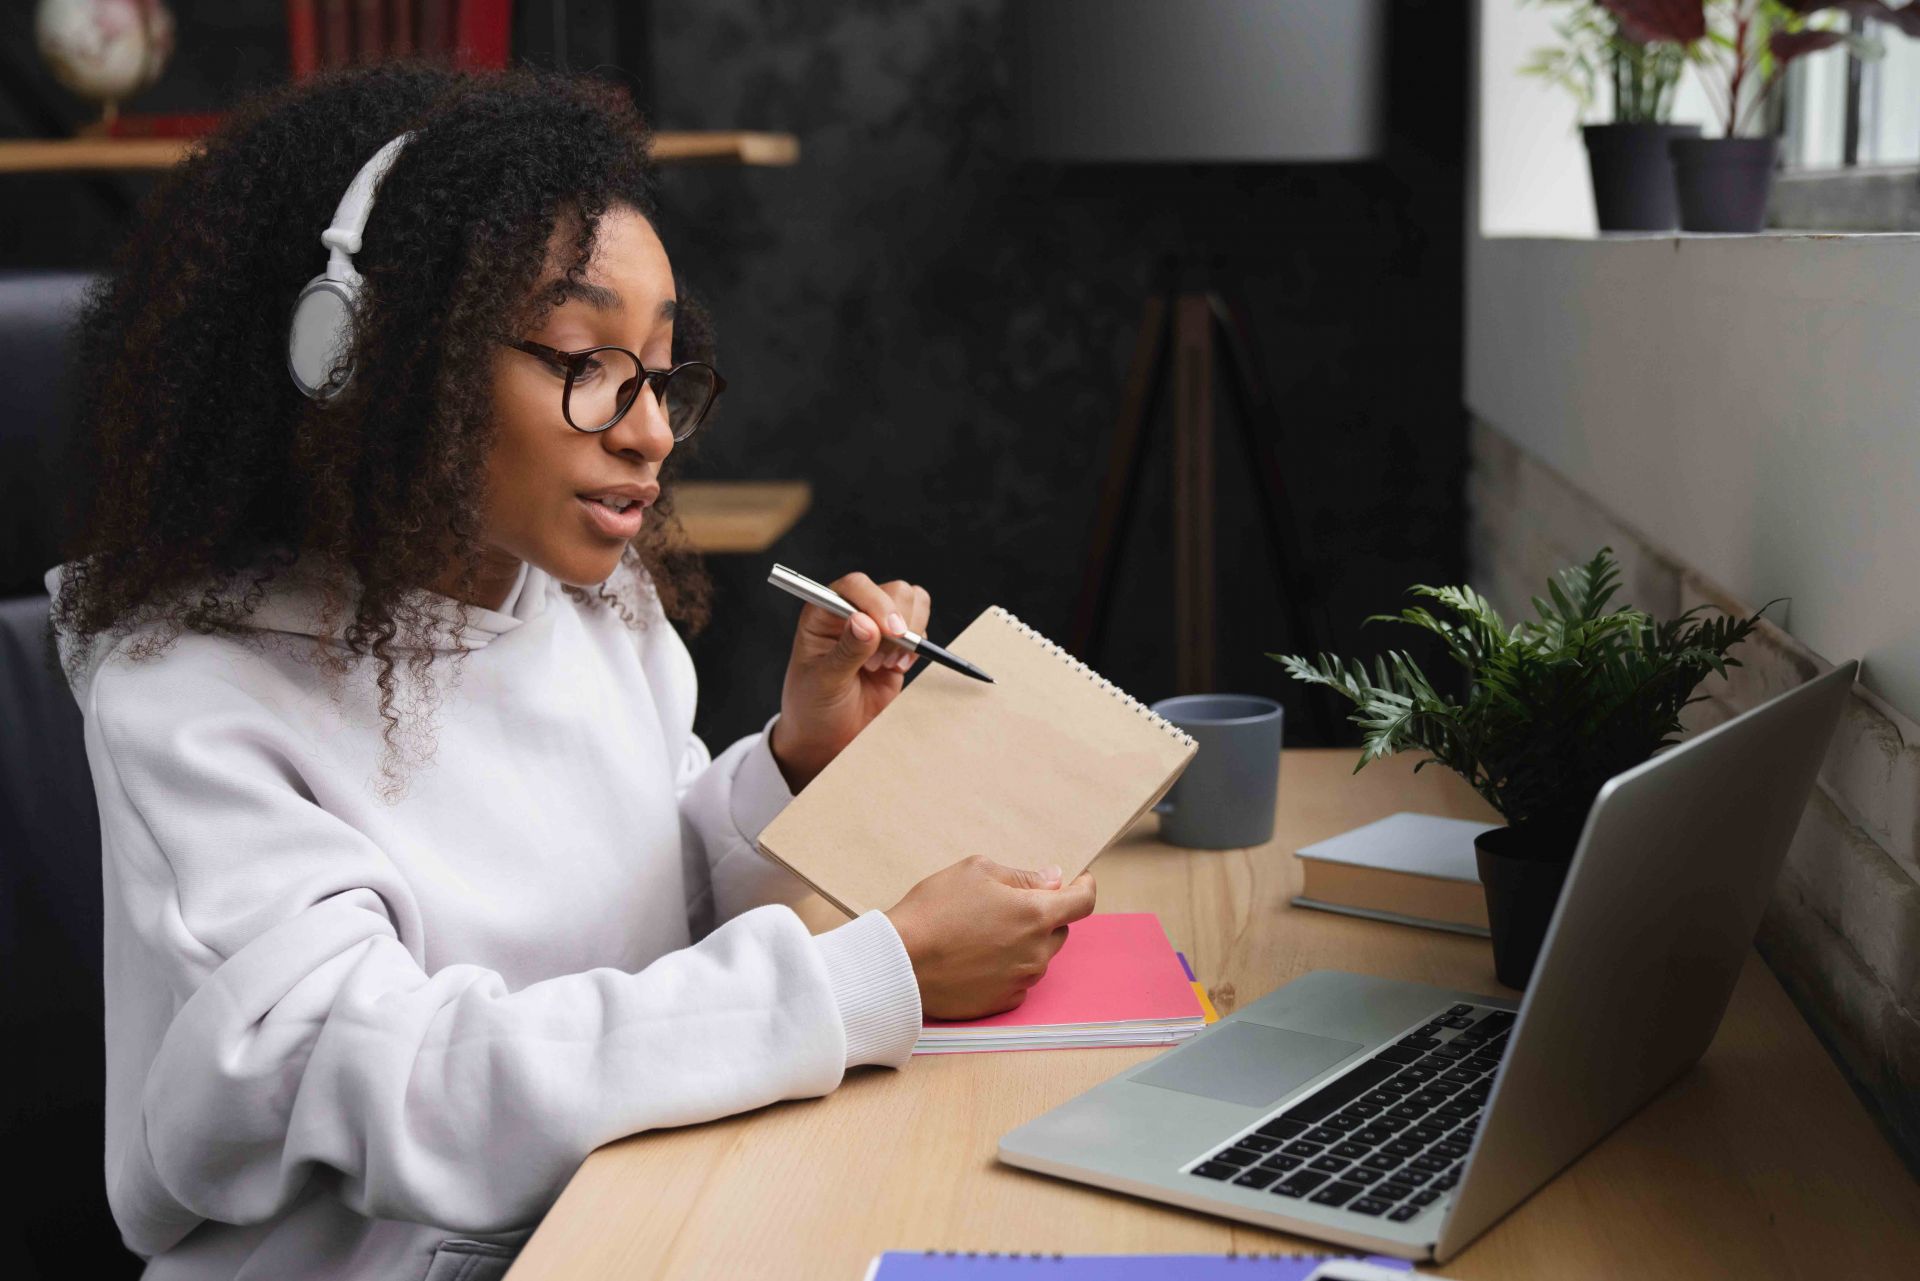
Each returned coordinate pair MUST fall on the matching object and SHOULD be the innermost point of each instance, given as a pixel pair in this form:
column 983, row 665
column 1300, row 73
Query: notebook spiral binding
column 1056, row 1256
column 1184, row 738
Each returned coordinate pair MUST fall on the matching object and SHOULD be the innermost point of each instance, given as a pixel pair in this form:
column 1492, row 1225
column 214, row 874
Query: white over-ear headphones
column 322, row 328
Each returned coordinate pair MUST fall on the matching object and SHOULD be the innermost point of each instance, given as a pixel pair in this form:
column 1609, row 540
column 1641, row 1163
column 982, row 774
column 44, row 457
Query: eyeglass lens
column 607, row 382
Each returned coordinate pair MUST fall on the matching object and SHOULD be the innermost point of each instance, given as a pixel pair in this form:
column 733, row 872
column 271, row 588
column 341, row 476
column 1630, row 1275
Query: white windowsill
column 1679, row 237
column 1745, row 399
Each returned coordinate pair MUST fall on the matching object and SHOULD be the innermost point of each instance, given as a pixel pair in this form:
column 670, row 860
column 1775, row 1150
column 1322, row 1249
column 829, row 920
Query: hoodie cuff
column 874, row 984
column 760, row 790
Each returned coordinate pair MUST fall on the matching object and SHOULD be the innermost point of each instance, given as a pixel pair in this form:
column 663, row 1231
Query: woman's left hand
column 841, row 673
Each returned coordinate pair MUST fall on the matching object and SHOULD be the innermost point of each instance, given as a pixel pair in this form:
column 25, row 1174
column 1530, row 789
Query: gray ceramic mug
column 1225, row 798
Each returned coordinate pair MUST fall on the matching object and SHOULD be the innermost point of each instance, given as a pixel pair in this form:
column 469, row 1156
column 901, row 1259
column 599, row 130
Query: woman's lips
column 614, row 524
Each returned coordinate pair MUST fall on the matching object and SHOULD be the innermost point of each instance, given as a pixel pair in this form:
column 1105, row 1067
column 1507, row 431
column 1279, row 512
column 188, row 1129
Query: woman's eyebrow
column 601, row 298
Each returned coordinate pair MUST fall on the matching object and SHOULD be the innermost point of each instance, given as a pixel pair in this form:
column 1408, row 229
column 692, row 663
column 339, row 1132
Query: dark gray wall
column 933, row 331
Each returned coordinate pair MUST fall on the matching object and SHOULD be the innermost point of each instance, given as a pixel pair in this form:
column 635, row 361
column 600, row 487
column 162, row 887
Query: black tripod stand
column 1183, row 325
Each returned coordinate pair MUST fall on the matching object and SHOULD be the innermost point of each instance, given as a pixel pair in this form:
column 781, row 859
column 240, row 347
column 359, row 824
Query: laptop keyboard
column 1390, row 1137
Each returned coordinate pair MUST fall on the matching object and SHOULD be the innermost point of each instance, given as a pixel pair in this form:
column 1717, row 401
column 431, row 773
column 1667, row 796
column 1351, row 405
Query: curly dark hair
column 208, row 474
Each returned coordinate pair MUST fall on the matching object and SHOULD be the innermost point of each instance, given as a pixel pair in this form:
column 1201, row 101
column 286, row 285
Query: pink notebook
column 1116, row 981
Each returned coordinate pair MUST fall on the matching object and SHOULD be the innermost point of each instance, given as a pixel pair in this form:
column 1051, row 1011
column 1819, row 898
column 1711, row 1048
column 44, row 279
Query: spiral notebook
column 964, row 1265
column 1047, row 765
column 1116, row 981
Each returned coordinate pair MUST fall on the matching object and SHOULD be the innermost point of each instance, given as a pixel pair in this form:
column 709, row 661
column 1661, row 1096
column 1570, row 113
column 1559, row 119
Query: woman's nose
column 643, row 429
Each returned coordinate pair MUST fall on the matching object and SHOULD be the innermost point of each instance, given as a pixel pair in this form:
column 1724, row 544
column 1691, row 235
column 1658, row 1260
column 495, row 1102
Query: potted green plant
column 1554, row 707
column 1739, row 50
column 1632, row 175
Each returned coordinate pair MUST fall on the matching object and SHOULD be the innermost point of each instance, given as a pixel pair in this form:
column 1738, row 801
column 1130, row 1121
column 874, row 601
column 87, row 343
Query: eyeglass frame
column 652, row 379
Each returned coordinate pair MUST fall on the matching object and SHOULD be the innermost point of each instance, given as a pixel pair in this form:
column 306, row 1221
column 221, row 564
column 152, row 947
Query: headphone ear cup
column 320, row 334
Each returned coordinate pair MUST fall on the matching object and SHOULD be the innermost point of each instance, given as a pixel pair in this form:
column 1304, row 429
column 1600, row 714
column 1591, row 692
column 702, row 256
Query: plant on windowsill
column 1555, row 706
column 1632, row 176
column 1740, row 49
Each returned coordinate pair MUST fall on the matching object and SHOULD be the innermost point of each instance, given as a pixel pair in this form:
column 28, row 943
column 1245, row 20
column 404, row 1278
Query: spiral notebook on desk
column 1116, row 981
column 1047, row 765
column 971, row 1265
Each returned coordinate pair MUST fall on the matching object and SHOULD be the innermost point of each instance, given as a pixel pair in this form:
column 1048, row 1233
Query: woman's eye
column 589, row 370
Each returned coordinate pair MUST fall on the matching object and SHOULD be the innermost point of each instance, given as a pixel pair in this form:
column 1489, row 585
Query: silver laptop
column 1404, row 1119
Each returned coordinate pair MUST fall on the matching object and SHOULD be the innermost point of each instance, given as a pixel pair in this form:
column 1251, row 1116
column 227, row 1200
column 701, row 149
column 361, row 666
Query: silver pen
column 833, row 602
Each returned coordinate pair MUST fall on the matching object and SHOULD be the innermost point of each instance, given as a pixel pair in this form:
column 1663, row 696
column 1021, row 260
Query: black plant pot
column 1633, row 175
column 1723, row 183
column 1523, row 869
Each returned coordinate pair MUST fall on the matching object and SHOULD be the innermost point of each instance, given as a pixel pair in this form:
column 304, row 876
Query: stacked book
column 1116, row 981
column 1412, row 869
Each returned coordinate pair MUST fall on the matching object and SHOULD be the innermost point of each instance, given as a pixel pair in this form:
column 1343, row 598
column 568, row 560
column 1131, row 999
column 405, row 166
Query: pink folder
column 1115, row 968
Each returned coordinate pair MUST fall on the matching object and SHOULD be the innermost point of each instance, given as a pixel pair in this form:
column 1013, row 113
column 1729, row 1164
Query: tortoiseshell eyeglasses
column 603, row 382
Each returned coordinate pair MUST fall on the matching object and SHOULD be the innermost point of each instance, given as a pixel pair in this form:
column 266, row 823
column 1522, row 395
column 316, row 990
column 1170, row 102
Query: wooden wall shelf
column 76, row 155
column 739, row 515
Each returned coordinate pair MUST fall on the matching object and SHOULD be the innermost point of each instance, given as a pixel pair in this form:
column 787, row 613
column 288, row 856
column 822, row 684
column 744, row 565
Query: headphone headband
column 322, row 325
column 350, row 218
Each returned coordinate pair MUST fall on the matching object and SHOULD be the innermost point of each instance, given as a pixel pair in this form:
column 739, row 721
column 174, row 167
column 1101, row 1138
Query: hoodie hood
column 294, row 603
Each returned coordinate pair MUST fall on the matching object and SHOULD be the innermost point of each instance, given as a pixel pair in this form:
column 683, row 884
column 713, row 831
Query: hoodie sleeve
column 307, row 1040
column 724, row 804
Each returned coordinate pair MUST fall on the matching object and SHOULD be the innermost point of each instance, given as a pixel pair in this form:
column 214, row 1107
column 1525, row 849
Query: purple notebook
column 948, row 1265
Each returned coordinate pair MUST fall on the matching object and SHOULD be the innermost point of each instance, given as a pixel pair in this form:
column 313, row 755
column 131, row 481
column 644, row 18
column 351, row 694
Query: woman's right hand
column 980, row 933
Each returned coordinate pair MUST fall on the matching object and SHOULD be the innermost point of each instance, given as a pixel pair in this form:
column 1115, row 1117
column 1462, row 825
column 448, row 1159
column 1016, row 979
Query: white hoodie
column 342, row 1031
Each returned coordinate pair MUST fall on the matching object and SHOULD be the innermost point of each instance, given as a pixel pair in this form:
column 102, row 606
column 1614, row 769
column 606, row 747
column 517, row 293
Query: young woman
column 418, row 884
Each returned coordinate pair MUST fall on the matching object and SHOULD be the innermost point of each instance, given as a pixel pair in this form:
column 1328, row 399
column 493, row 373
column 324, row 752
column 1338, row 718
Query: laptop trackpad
column 1246, row 1063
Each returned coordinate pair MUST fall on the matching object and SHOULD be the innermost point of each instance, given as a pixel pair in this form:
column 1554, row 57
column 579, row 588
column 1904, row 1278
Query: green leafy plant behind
column 1555, row 705
column 1594, row 54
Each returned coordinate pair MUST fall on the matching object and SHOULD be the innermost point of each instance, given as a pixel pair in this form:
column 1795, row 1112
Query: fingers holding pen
column 869, row 624
column 912, row 605
column 892, row 608
column 919, row 613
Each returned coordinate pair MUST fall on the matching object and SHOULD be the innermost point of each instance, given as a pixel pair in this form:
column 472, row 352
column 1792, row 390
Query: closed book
column 370, row 30
column 303, row 38
column 402, row 26
column 1414, row 869
column 336, row 33
column 481, row 29
column 436, row 28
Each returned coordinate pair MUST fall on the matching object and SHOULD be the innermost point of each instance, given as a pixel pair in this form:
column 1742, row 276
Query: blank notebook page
column 1050, row 764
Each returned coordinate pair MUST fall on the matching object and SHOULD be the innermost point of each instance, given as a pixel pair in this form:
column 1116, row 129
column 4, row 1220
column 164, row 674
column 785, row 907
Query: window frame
column 1849, row 196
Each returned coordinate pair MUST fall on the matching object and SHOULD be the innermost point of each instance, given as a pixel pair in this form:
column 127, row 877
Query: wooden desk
column 739, row 515
column 1758, row 1163
column 53, row 155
